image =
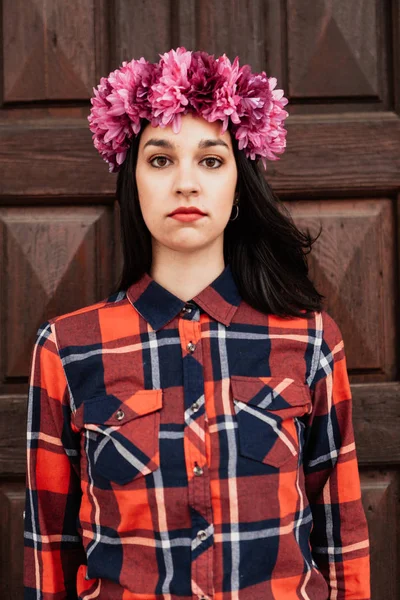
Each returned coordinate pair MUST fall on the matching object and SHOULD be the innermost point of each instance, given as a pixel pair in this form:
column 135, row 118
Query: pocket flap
column 270, row 393
column 122, row 407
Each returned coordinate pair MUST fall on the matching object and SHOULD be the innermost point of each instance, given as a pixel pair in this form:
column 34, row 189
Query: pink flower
column 261, row 115
column 184, row 81
column 119, row 104
column 224, row 99
column 169, row 96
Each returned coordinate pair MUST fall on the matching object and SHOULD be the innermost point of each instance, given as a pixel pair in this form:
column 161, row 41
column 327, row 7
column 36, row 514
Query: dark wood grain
column 380, row 495
column 354, row 155
column 347, row 38
column 376, row 418
column 64, row 257
column 12, row 499
column 48, row 50
column 13, row 434
column 141, row 28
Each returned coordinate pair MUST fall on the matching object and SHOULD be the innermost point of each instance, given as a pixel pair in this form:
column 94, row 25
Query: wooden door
column 339, row 64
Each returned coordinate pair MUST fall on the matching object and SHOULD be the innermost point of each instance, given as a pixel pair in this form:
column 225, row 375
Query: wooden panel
column 12, row 499
column 52, row 53
column 13, row 434
column 226, row 26
column 351, row 154
column 380, row 495
column 326, row 62
column 338, row 53
column 57, row 157
column 352, row 264
column 233, row 28
column 230, row 27
column 376, row 418
column 141, row 29
column 56, row 259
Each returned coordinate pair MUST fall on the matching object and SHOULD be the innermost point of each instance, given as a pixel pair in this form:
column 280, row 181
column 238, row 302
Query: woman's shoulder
column 106, row 302
column 320, row 327
column 318, row 321
column 330, row 328
column 325, row 333
column 83, row 324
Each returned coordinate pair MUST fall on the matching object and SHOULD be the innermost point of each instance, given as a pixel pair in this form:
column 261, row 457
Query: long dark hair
column 266, row 251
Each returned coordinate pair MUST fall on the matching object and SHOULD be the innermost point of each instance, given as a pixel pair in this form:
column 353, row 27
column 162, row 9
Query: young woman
column 191, row 436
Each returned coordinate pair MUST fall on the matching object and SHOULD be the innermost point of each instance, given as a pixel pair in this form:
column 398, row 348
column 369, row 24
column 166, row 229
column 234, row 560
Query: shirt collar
column 220, row 299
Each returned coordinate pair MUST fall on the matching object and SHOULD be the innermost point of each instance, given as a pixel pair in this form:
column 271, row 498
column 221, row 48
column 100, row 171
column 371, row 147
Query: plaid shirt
column 189, row 450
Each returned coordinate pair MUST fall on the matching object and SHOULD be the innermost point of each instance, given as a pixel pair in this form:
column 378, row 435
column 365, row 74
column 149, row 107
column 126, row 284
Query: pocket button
column 120, row 414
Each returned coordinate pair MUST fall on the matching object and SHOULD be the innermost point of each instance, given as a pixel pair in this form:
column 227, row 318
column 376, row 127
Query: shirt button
column 186, row 309
column 191, row 347
column 202, row 535
column 195, row 406
column 197, row 470
column 120, row 414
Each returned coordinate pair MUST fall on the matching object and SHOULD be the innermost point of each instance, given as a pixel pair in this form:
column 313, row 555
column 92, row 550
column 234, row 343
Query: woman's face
column 195, row 167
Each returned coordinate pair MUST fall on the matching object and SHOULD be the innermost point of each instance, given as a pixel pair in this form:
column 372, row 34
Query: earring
column 236, row 205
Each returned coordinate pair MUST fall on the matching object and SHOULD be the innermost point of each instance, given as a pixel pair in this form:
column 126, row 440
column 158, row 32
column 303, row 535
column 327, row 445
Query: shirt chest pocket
column 266, row 411
column 122, row 434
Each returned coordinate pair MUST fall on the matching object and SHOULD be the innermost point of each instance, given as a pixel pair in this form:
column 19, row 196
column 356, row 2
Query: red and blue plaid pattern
column 191, row 450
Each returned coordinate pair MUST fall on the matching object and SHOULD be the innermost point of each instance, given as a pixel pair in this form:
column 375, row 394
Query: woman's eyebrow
column 202, row 144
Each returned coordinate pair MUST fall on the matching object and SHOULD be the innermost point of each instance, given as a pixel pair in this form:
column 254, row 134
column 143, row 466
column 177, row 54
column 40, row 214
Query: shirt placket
column 195, row 444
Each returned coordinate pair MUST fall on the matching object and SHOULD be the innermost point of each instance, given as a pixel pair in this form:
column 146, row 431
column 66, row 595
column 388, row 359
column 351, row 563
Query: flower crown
column 184, row 81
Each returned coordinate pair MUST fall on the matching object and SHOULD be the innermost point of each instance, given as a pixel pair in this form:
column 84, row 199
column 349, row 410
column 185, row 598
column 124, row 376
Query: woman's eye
column 209, row 158
column 157, row 158
column 214, row 158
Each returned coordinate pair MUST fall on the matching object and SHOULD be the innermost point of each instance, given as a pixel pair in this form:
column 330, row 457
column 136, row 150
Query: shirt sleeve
column 53, row 547
column 339, row 536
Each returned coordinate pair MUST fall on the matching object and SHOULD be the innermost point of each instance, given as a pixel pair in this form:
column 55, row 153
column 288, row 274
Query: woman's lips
column 193, row 216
